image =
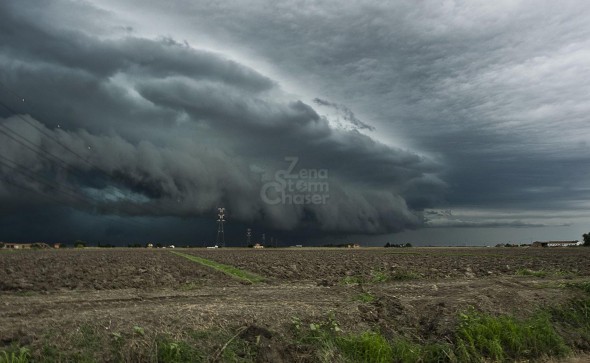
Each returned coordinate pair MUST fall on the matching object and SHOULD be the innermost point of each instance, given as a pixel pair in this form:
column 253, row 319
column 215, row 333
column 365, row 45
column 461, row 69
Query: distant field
column 430, row 263
column 304, row 305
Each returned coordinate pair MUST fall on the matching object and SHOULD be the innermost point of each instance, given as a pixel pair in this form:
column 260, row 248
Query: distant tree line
column 398, row 245
column 340, row 245
column 511, row 245
column 586, row 237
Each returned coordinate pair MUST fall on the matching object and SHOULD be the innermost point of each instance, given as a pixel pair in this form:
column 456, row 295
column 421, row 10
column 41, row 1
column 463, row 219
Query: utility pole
column 220, row 232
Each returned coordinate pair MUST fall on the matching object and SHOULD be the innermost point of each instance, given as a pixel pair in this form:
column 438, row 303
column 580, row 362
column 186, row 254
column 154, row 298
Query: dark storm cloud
column 497, row 90
column 162, row 128
column 492, row 94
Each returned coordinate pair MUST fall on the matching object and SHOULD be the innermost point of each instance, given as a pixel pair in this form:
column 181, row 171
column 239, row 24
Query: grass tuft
column 170, row 351
column 573, row 321
column 352, row 280
column 15, row 355
column 480, row 336
column 366, row 347
column 405, row 351
column 365, row 297
column 582, row 285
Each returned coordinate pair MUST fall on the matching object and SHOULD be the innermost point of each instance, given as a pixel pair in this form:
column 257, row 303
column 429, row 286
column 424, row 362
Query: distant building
column 557, row 244
column 355, row 245
column 57, row 245
column 258, row 245
column 17, row 246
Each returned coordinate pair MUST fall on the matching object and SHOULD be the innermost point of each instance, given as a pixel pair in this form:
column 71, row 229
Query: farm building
column 17, row 246
column 258, row 245
column 557, row 244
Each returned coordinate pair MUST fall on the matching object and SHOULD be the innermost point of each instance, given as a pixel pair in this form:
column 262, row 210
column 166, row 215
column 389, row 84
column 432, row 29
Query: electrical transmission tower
column 220, row 232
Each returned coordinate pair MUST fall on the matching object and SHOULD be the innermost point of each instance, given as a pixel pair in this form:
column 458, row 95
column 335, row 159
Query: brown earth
column 431, row 263
column 100, row 269
column 46, row 294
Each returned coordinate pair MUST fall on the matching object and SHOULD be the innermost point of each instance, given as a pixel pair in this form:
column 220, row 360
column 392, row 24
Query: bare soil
column 298, row 264
column 48, row 293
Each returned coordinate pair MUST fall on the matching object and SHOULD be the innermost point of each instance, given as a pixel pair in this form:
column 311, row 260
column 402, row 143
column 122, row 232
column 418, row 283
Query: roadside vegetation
column 552, row 332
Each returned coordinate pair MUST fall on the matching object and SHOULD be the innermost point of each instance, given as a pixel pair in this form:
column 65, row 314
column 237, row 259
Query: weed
column 574, row 320
column 379, row 276
column 88, row 341
column 352, row 280
column 480, row 337
column 189, row 286
column 138, row 330
column 405, row 351
column 365, row 297
column 582, row 285
column 170, row 351
column 366, row 347
column 16, row 355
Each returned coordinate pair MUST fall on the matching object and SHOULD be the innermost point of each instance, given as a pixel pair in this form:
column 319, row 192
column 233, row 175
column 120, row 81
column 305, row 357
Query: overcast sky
column 432, row 122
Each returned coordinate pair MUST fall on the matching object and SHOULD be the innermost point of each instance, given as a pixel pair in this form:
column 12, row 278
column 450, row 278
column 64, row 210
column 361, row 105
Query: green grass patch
column 136, row 344
column 364, row 297
column 170, row 351
column 405, row 351
column 379, row 276
column 573, row 322
column 331, row 344
column 15, row 354
column 368, row 347
column 232, row 271
column 352, row 280
column 481, row 337
column 581, row 285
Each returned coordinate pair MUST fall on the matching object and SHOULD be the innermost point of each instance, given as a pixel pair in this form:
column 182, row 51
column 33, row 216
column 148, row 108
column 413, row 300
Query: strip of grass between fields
column 226, row 269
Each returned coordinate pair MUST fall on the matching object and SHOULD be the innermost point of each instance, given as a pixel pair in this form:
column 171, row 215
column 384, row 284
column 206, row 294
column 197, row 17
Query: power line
column 25, row 142
column 43, row 153
column 43, row 180
column 64, row 163
column 56, row 200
